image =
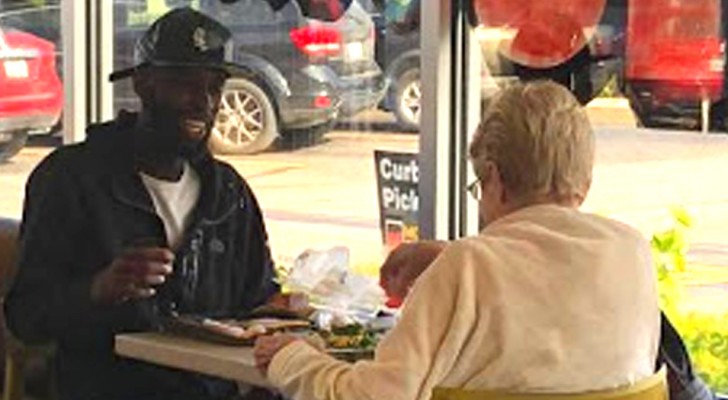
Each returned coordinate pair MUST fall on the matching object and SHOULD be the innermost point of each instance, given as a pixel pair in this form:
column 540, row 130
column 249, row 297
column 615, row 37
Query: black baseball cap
column 183, row 37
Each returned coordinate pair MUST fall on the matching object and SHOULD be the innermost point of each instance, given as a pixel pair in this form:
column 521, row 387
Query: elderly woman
column 545, row 299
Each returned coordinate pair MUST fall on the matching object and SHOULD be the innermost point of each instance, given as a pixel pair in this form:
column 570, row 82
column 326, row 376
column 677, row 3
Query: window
column 246, row 12
column 323, row 96
column 31, row 90
column 651, row 74
column 303, row 127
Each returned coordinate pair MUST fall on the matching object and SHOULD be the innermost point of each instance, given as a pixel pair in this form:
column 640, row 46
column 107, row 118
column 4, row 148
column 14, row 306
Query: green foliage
column 705, row 334
column 706, row 337
column 282, row 271
column 669, row 249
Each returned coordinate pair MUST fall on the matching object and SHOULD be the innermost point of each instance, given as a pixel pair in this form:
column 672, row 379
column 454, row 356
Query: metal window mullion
column 456, row 178
column 101, row 60
column 75, row 73
column 436, row 152
column 451, row 63
column 472, row 110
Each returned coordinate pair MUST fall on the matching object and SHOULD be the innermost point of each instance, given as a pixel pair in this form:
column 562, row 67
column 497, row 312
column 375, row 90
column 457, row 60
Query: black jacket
column 84, row 204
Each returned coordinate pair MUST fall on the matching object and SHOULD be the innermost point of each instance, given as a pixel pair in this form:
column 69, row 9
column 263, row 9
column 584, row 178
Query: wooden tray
column 196, row 327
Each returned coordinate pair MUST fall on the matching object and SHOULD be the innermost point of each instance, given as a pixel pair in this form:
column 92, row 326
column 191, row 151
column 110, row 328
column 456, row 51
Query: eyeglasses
column 474, row 189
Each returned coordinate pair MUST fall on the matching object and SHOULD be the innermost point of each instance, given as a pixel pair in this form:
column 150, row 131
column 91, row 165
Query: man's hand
column 405, row 263
column 266, row 348
column 132, row 275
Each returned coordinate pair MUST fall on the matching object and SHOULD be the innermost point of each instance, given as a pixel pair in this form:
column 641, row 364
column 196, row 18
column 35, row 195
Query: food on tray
column 352, row 342
column 235, row 332
column 291, row 305
column 275, row 324
column 352, row 336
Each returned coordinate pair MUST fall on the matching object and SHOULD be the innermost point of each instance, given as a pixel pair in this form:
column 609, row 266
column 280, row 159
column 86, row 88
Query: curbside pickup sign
column 398, row 176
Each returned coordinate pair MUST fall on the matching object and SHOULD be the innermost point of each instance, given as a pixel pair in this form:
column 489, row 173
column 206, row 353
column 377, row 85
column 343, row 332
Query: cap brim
column 231, row 68
column 122, row 73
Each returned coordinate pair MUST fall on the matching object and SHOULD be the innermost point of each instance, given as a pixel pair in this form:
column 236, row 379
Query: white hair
column 540, row 138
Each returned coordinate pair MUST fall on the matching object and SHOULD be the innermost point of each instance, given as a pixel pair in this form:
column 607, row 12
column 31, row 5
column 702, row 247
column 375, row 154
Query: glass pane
column 322, row 97
column 31, row 91
column 651, row 74
column 302, row 129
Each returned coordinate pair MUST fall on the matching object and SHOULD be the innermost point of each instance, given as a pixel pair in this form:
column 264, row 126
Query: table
column 229, row 362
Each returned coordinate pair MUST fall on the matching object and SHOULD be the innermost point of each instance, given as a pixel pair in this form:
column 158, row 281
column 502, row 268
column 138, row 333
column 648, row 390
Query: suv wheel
column 246, row 122
column 11, row 143
column 408, row 100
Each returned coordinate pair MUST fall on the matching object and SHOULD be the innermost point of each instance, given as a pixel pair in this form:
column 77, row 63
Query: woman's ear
column 497, row 182
column 580, row 197
column 494, row 181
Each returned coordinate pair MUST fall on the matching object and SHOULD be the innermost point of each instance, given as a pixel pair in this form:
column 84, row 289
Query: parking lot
column 324, row 194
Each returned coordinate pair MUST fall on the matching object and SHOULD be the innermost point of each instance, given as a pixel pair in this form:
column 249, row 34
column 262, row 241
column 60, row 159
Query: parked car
column 398, row 54
column 585, row 72
column 31, row 99
column 43, row 21
column 304, row 73
column 675, row 62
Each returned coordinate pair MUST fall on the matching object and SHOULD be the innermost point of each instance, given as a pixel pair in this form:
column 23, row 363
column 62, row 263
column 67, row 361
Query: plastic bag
column 338, row 295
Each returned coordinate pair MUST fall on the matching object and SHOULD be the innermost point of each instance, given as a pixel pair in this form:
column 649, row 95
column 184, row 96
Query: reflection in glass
column 298, row 124
column 31, row 93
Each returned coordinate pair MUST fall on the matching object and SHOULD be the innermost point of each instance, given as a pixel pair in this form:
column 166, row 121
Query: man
column 138, row 222
column 545, row 299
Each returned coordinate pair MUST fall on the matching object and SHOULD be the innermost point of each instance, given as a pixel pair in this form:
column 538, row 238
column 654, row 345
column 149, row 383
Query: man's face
column 182, row 104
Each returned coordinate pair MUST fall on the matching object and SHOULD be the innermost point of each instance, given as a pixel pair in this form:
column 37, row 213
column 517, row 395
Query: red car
column 31, row 93
column 675, row 60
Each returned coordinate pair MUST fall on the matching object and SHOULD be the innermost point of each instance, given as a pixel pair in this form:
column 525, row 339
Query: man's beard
column 169, row 139
column 191, row 150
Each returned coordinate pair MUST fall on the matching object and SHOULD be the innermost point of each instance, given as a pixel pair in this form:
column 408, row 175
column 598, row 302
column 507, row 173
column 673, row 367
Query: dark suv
column 398, row 53
column 305, row 72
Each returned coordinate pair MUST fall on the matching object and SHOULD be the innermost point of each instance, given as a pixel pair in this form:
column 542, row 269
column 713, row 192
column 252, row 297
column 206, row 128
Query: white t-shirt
column 174, row 201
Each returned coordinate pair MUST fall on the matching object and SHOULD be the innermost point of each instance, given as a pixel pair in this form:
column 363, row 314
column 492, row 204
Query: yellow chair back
column 651, row 388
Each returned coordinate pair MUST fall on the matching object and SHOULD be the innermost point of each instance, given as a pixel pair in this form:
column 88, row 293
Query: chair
column 651, row 388
column 17, row 355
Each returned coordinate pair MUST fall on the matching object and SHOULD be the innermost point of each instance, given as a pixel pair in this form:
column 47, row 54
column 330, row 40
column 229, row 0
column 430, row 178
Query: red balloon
column 544, row 33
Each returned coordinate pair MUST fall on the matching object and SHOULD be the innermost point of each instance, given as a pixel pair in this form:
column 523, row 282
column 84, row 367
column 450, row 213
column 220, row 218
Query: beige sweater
column 544, row 299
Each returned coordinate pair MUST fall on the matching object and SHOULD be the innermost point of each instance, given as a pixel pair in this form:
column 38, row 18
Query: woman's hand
column 266, row 348
column 405, row 264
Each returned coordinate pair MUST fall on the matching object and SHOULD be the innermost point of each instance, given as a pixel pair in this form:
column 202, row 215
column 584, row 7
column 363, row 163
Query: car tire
column 246, row 122
column 407, row 100
column 11, row 143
